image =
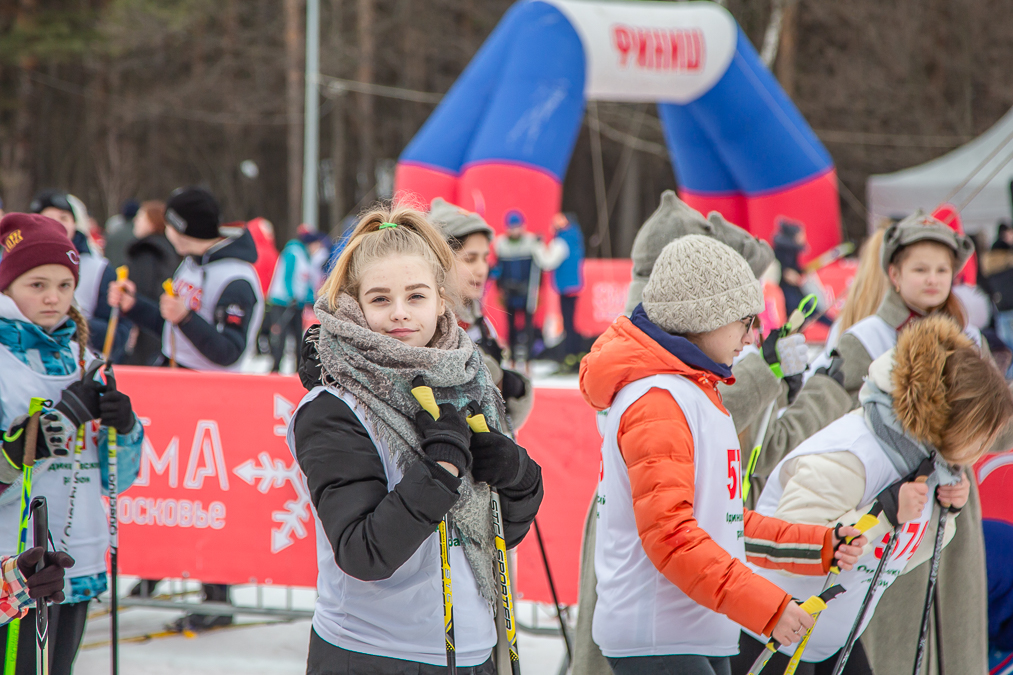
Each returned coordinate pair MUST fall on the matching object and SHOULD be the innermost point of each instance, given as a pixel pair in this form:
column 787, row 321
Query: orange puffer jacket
column 658, row 449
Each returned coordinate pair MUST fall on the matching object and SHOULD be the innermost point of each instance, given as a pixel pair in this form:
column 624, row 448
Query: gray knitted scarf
column 905, row 453
column 378, row 371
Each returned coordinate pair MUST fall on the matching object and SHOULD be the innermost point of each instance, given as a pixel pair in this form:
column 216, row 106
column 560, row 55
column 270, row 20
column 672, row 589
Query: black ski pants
column 750, row 648
column 66, row 628
column 327, row 659
column 672, row 664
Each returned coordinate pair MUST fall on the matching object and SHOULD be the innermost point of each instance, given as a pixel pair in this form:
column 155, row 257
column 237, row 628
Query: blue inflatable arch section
column 502, row 137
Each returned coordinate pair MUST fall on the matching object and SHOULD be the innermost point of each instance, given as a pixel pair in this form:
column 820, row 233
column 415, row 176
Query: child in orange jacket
column 673, row 536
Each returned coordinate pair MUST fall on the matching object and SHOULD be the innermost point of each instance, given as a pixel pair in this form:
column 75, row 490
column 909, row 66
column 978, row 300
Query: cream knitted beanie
column 699, row 284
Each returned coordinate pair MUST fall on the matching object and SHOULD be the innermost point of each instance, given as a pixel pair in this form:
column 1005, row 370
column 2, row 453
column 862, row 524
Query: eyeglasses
column 748, row 321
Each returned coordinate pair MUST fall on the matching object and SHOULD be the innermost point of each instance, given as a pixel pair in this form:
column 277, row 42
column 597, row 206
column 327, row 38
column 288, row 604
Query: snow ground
column 257, row 645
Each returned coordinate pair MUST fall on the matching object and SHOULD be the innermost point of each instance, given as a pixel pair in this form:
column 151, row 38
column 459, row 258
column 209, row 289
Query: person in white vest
column 382, row 473
column 673, row 536
column 43, row 354
column 212, row 317
column 95, row 273
column 931, row 399
column 210, row 320
column 921, row 255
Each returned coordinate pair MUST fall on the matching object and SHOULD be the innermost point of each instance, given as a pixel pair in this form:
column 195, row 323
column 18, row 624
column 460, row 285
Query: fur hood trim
column 919, row 394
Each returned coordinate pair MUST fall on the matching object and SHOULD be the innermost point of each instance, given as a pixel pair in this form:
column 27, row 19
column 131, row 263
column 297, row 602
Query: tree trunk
column 786, row 52
column 366, row 177
column 294, row 67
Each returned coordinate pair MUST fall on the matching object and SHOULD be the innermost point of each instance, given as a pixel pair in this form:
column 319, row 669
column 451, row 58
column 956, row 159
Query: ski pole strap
column 424, row 395
column 804, row 310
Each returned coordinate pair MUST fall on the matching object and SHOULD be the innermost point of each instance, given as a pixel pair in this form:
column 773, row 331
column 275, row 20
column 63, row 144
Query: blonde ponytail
column 408, row 233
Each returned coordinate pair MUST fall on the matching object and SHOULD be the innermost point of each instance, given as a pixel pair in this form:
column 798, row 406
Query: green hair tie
column 384, row 226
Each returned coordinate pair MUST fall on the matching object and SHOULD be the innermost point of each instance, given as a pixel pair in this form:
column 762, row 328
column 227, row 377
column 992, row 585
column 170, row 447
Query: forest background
column 118, row 99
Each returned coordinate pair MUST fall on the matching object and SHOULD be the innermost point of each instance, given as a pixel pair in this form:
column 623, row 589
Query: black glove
column 80, row 401
column 794, row 383
column 889, row 498
column 309, row 359
column 835, row 369
column 445, row 439
column 513, row 385
column 47, row 582
column 116, row 411
column 769, row 347
column 55, row 437
column 498, row 460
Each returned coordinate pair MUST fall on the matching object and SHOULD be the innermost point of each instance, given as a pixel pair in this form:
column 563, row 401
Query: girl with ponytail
column 43, row 354
column 383, row 473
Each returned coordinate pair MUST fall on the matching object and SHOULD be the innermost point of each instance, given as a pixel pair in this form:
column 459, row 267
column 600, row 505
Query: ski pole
column 167, row 287
column 842, row 660
column 478, row 424
column 930, row 593
column 805, row 309
column 424, row 395
column 555, row 596
column 28, row 462
column 114, row 317
column 864, row 524
column 113, row 449
column 813, row 606
column 40, row 520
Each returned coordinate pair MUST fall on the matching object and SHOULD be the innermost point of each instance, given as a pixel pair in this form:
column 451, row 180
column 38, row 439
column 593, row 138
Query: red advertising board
column 220, row 498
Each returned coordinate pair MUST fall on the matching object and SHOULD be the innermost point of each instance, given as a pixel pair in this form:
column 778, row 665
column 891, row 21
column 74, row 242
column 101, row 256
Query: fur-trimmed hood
column 914, row 376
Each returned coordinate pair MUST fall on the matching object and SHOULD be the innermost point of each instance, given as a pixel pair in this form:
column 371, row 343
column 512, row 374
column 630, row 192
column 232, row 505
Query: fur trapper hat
column 699, row 284
column 673, row 219
column 919, row 393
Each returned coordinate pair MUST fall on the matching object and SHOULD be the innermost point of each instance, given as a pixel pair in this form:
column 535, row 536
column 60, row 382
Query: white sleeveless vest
column 878, row 337
column 400, row 617
column 201, row 286
column 639, row 612
column 85, row 534
column 848, row 433
column 89, row 283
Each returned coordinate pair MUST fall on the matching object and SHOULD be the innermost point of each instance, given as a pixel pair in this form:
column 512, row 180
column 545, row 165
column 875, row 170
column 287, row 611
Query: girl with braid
column 44, row 354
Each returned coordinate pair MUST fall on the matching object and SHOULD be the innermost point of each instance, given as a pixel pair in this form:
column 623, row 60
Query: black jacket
column 223, row 341
column 372, row 531
column 151, row 260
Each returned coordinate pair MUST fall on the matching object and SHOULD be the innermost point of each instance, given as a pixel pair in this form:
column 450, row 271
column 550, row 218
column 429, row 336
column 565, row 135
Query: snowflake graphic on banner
column 274, row 473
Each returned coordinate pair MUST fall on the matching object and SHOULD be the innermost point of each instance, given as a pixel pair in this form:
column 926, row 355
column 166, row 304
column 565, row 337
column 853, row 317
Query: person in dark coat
column 152, row 260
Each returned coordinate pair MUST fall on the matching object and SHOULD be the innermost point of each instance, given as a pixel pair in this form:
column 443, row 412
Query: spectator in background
column 152, row 260
column 293, row 287
column 997, row 268
column 95, row 272
column 568, row 279
column 789, row 242
column 262, row 231
column 520, row 259
column 1, row 208
column 119, row 233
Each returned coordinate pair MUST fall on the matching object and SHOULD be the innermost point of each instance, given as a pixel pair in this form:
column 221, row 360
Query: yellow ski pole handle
column 424, row 395
column 813, row 606
column 478, row 425
column 114, row 317
column 864, row 524
column 168, row 290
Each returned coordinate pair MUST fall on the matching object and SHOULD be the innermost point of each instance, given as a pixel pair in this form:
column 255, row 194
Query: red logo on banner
column 671, row 49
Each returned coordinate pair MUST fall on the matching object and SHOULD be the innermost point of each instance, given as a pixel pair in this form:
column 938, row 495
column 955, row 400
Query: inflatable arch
column 502, row 137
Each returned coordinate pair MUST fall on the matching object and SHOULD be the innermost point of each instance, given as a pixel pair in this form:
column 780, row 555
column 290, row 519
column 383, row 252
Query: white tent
column 925, row 186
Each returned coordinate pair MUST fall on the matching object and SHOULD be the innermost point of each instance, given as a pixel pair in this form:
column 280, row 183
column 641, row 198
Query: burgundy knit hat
column 30, row 240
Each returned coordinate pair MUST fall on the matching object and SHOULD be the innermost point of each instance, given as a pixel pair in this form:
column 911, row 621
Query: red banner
column 220, row 498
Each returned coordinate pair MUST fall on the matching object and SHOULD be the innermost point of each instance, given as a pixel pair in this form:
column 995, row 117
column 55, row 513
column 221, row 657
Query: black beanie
column 194, row 212
column 56, row 199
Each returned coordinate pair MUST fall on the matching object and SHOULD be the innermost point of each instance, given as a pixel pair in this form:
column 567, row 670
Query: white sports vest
column 848, row 433
column 201, row 286
column 878, row 337
column 639, row 612
column 89, row 283
column 85, row 535
column 400, row 617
